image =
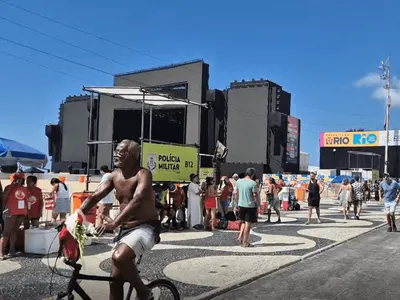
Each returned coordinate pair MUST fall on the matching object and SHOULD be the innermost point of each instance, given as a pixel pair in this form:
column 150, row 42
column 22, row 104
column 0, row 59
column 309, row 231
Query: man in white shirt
column 195, row 207
column 105, row 204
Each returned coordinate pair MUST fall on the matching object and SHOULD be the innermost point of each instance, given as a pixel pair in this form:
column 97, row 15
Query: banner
column 206, row 172
column 375, row 175
column 350, row 139
column 297, row 178
column 394, row 138
column 292, row 145
column 170, row 162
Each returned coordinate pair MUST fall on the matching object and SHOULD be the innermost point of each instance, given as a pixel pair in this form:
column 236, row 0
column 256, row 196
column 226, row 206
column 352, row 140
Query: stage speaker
column 50, row 147
column 275, row 120
column 53, row 132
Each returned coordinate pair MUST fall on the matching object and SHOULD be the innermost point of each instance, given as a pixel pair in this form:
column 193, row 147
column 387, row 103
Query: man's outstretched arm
column 102, row 190
column 142, row 193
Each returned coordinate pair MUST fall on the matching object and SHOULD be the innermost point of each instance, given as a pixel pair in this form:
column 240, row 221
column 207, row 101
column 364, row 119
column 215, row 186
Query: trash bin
column 76, row 202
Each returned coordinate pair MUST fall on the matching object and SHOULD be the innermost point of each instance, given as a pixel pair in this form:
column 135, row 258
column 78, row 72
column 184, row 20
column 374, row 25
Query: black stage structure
column 345, row 158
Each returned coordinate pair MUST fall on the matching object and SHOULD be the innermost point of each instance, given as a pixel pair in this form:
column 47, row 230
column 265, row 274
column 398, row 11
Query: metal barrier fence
column 331, row 190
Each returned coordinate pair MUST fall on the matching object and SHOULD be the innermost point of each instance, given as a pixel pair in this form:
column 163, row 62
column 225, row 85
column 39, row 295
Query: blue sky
column 325, row 53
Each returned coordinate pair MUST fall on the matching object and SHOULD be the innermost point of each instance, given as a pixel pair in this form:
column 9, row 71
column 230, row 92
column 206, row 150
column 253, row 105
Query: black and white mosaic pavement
column 197, row 261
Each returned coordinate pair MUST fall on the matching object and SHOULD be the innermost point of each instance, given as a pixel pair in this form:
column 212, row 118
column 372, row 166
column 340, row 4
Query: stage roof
column 135, row 94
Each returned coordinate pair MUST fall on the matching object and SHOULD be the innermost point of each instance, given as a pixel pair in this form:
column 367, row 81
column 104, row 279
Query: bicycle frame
column 73, row 285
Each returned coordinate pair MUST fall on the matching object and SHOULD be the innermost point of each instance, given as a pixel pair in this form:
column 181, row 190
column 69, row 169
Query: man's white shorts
column 390, row 207
column 140, row 240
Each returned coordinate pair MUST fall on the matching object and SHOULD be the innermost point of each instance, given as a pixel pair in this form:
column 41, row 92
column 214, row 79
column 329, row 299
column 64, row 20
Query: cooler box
column 41, row 241
column 76, row 201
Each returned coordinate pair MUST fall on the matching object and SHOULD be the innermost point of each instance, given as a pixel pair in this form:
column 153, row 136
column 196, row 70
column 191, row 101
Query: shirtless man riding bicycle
column 138, row 220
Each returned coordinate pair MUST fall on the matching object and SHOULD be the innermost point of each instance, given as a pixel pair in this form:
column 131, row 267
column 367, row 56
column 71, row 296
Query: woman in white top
column 62, row 202
column 345, row 196
column 195, row 209
column 105, row 204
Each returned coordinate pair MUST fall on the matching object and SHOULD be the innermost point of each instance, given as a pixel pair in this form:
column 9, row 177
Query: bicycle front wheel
column 163, row 289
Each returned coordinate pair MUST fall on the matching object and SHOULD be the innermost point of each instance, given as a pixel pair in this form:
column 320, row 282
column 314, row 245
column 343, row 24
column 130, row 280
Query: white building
column 304, row 161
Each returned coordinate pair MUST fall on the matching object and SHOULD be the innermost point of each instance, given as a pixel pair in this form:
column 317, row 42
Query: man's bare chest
column 125, row 188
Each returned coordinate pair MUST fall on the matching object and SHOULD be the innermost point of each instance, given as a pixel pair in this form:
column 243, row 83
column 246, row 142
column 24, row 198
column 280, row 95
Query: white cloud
column 369, row 80
column 374, row 81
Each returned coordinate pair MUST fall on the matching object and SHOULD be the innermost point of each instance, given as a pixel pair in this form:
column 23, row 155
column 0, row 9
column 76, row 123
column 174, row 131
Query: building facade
column 260, row 128
column 67, row 139
column 304, row 162
column 251, row 118
column 194, row 74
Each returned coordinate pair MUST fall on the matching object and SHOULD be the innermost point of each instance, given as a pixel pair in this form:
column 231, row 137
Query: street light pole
column 385, row 67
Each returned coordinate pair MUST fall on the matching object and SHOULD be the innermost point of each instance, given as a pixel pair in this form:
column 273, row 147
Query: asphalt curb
column 248, row 279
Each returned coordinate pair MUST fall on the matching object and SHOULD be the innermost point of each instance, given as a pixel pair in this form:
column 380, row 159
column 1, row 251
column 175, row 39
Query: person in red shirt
column 225, row 188
column 35, row 202
column 178, row 205
column 1, row 206
column 15, row 207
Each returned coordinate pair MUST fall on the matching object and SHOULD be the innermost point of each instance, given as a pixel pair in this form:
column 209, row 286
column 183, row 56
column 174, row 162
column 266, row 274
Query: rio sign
column 349, row 139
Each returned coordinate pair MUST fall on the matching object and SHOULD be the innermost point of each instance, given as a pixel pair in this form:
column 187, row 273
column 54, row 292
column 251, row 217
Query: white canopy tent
column 137, row 95
column 141, row 95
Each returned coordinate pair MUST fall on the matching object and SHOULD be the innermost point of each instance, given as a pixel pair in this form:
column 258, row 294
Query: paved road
column 364, row 268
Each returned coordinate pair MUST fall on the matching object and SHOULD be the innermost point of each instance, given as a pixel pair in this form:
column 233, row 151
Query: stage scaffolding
column 145, row 96
column 359, row 153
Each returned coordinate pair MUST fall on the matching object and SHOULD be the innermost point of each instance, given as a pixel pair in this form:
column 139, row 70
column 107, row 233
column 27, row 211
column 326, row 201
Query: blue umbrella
column 13, row 152
column 339, row 179
column 3, row 149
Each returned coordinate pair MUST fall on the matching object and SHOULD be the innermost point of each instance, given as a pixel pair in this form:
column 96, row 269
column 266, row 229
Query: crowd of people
column 144, row 205
column 21, row 205
column 234, row 203
column 199, row 206
column 354, row 193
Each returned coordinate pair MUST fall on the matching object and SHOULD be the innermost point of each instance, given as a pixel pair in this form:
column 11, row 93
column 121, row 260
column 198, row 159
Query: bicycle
column 73, row 285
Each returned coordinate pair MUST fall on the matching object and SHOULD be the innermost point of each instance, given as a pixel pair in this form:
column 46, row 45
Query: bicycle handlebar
column 72, row 264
